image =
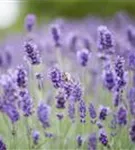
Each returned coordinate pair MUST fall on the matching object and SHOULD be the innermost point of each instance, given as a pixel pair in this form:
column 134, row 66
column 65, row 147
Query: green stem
column 28, row 132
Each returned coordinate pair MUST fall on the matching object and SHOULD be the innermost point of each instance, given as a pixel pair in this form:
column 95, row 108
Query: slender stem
column 14, row 135
column 28, row 132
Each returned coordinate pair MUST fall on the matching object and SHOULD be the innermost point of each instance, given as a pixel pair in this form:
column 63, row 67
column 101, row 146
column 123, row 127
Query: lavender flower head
column 35, row 137
column 2, row 145
column 32, row 52
column 131, row 60
column 55, row 76
column 105, row 40
column 103, row 137
column 131, row 100
column 131, row 35
column 25, row 103
column 30, row 21
column 11, row 111
column 76, row 92
column 72, row 41
column 117, row 98
column 61, row 99
column 83, row 57
column 121, row 74
column 79, row 141
column 132, row 131
column 92, row 142
column 82, row 111
column 109, row 78
column 9, row 87
column 103, row 112
column 92, row 111
column 122, row 116
column 43, row 113
column 71, row 110
column 56, row 35
column 21, row 77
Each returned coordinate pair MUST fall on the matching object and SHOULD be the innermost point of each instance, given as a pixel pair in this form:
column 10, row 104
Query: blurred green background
column 50, row 9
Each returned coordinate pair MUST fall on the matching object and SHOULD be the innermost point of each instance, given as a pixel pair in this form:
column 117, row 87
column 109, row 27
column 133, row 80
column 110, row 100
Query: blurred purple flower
column 79, row 141
column 35, row 137
column 82, row 111
column 11, row 111
column 103, row 112
column 132, row 131
column 105, row 40
column 30, row 21
column 122, row 116
column 131, row 60
column 25, row 103
column 131, row 35
column 61, row 100
column 32, row 52
column 55, row 30
column 10, row 89
column 83, row 57
column 71, row 110
column 55, row 76
column 103, row 137
column 92, row 142
column 131, row 100
column 22, row 77
column 92, row 111
column 109, row 78
column 120, row 73
column 43, row 113
column 2, row 145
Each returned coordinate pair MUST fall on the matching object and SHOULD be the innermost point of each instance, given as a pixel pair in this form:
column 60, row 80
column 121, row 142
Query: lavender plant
column 59, row 97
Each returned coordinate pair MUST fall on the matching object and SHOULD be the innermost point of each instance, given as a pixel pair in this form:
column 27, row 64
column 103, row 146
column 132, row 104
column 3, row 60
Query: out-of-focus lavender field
column 69, row 85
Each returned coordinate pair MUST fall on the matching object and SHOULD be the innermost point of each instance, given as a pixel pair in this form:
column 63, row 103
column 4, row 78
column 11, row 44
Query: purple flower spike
column 76, row 93
column 92, row 111
column 43, row 113
column 103, row 137
column 92, row 142
column 25, row 103
column 55, row 76
column 79, row 141
column 22, row 77
column 103, row 112
column 105, row 40
column 117, row 98
column 10, row 89
column 131, row 35
column 131, row 100
column 72, row 42
column 71, row 110
column 131, row 60
column 83, row 57
column 55, row 30
column 122, row 116
column 32, row 52
column 82, row 111
column 11, row 112
column 61, row 100
column 109, row 78
column 35, row 137
column 132, row 131
column 2, row 145
column 30, row 22
column 120, row 73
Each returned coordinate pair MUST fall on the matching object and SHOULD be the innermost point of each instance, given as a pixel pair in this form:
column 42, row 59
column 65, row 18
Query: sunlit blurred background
column 12, row 12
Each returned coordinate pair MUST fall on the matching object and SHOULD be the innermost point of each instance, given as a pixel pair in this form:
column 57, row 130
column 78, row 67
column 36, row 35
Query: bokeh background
column 13, row 11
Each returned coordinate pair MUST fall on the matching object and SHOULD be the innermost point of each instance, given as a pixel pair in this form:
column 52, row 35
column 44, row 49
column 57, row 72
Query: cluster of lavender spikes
column 71, row 104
